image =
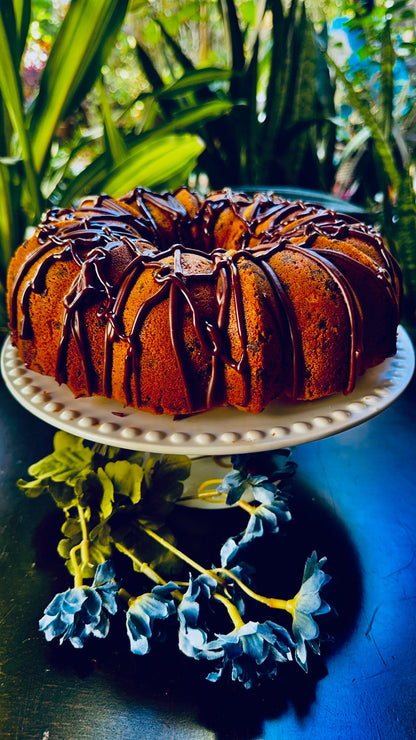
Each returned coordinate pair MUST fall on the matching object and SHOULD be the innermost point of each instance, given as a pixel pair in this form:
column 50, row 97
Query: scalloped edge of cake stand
column 221, row 431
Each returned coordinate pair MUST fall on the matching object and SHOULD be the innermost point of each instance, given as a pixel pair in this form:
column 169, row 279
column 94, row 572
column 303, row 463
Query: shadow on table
column 171, row 684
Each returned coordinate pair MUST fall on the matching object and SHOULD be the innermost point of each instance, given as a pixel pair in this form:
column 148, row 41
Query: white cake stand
column 216, row 433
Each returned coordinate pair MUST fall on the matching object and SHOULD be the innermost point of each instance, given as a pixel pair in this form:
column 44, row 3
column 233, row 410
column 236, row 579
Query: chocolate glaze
column 92, row 235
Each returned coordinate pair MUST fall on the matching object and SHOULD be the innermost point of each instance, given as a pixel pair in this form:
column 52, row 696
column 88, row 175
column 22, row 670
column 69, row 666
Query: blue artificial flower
column 254, row 474
column 235, row 484
column 305, row 605
column 276, row 464
column 79, row 612
column 145, row 614
column 193, row 637
column 264, row 518
column 252, row 651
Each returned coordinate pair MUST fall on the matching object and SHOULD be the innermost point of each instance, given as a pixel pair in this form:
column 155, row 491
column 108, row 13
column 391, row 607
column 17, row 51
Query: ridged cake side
column 174, row 304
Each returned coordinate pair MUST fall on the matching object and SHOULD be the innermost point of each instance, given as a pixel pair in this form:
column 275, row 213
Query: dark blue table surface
column 354, row 500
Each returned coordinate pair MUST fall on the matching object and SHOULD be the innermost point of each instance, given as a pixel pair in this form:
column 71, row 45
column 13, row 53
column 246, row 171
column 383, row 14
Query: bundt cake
column 176, row 304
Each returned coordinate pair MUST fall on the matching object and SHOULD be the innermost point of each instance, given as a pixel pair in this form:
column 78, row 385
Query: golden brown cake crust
column 176, row 304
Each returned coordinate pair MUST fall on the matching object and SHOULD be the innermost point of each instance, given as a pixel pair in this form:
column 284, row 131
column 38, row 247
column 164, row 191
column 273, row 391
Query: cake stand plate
column 221, row 431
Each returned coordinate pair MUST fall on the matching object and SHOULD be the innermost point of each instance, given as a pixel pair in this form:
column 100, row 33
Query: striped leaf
column 304, row 106
column 7, row 219
column 22, row 13
column 169, row 159
column 83, row 41
column 404, row 238
column 386, row 81
column 115, row 145
column 363, row 110
column 192, row 81
column 280, row 85
column 190, row 118
column 11, row 92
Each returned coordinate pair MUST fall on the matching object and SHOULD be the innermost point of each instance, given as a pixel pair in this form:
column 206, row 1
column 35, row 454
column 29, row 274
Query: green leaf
column 149, row 69
column 99, row 544
column 8, row 19
column 115, row 145
column 126, row 478
column 279, row 88
column 154, row 79
column 363, row 110
column 22, row 12
column 62, row 494
column 162, row 471
column 108, row 494
column 235, row 36
column 304, row 105
column 69, row 459
column 11, row 92
column 64, row 550
column 404, row 230
column 71, row 529
column 84, row 39
column 168, row 159
column 163, row 484
column 101, row 535
column 7, row 220
column 194, row 117
column 147, row 550
column 183, row 60
column 168, row 150
column 31, row 489
column 193, row 80
column 386, row 81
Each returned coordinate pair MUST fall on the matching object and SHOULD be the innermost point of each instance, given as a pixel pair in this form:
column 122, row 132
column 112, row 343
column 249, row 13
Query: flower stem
column 232, row 610
column 142, row 567
column 180, row 554
column 204, row 491
column 217, row 573
column 246, row 506
column 78, row 579
column 269, row 601
column 147, row 570
column 85, row 550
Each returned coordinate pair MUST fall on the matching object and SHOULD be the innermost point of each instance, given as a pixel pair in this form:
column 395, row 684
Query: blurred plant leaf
column 386, row 81
column 116, row 146
column 403, row 244
column 84, row 39
column 169, row 159
column 361, row 106
column 191, row 81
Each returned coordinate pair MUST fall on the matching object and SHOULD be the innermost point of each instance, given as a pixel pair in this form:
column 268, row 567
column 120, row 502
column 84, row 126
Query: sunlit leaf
column 126, row 478
column 192, row 81
column 84, row 38
column 149, row 166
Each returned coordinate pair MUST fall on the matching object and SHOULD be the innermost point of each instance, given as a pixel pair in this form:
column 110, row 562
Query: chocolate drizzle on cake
column 114, row 242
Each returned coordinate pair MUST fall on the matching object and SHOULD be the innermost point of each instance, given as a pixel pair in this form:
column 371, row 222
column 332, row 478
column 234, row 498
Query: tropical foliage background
column 285, row 94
